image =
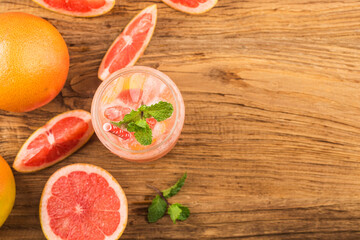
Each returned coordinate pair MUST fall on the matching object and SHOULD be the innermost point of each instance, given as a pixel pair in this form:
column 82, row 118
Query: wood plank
column 272, row 132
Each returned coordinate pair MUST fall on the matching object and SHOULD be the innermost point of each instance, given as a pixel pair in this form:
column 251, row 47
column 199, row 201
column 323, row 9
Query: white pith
column 151, row 9
column 203, row 7
column 95, row 12
column 88, row 168
column 18, row 164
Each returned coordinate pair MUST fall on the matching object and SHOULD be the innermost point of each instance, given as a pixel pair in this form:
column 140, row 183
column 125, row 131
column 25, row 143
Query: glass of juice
column 125, row 90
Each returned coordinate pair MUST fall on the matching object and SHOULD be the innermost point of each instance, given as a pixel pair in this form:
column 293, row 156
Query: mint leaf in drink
column 157, row 209
column 135, row 121
column 133, row 116
column 160, row 111
column 143, row 135
column 172, row 191
column 141, row 123
column 178, row 212
column 142, row 108
column 131, row 127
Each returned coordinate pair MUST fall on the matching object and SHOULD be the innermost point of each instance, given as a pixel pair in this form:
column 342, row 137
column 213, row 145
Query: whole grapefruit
column 34, row 62
column 7, row 190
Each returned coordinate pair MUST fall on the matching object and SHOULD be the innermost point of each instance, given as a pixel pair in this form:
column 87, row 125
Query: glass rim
column 95, row 106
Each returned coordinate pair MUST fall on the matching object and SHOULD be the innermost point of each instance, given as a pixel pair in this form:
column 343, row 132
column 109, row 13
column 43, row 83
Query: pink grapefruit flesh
column 83, row 201
column 151, row 122
column 131, row 97
column 78, row 8
column 57, row 139
column 191, row 6
column 116, row 113
column 130, row 44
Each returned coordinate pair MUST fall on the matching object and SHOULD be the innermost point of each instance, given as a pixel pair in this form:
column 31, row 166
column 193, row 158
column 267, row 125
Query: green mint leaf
column 160, row 111
column 184, row 214
column 147, row 115
column 135, row 121
column 172, row 191
column 132, row 127
column 133, row 116
column 178, row 212
column 142, row 108
column 157, row 209
column 141, row 123
column 174, row 211
column 142, row 135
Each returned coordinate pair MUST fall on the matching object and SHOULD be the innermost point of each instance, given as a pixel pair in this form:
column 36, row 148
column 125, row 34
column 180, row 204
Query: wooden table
column 271, row 139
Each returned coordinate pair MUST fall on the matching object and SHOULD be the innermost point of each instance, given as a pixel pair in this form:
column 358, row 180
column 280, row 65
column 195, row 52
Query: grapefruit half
column 78, row 8
column 56, row 140
column 83, row 201
column 130, row 44
column 191, row 6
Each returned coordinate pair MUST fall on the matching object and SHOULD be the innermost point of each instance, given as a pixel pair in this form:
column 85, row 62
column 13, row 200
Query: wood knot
column 228, row 77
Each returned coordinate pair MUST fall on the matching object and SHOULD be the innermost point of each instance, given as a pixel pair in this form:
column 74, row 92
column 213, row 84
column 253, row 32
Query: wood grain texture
column 271, row 139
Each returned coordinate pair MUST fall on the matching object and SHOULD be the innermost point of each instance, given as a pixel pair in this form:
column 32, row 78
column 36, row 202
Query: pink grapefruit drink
column 125, row 90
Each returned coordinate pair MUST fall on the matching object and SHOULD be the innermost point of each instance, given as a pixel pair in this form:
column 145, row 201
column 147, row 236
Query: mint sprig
column 142, row 134
column 157, row 209
column 173, row 190
column 135, row 121
column 178, row 212
column 159, row 204
column 160, row 111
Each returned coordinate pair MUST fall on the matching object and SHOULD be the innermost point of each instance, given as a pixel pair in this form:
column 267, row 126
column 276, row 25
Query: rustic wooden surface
column 271, row 139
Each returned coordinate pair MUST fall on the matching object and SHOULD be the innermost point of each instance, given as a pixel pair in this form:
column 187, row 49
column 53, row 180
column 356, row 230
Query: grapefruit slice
column 191, row 6
column 83, row 201
column 56, row 140
column 130, row 44
column 78, row 8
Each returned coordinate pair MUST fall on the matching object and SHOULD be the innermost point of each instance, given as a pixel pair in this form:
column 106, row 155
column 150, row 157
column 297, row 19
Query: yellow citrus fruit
column 7, row 190
column 34, row 62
